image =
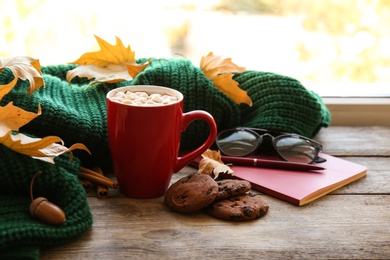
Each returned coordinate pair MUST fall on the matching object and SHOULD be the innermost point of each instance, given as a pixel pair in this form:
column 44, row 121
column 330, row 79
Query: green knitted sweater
column 77, row 114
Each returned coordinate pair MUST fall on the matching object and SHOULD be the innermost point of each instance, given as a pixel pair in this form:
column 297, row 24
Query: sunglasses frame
column 276, row 136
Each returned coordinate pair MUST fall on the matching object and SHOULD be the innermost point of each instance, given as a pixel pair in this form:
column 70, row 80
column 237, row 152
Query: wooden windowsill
column 359, row 111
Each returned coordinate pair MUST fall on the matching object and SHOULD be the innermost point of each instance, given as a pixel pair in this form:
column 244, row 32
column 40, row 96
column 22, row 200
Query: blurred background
column 337, row 48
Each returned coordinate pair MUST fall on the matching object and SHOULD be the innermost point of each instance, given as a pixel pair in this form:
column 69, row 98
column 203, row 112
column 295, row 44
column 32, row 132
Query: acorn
column 44, row 210
column 47, row 212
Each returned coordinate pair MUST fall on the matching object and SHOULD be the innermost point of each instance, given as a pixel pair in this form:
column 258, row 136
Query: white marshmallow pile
column 143, row 98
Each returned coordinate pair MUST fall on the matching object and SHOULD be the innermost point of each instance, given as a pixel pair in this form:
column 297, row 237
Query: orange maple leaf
column 221, row 71
column 109, row 65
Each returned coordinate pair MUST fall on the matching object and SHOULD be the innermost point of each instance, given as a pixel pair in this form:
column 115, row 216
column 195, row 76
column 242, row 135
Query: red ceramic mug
column 144, row 140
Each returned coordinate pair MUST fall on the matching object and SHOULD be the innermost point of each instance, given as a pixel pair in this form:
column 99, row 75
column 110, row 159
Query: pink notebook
column 301, row 187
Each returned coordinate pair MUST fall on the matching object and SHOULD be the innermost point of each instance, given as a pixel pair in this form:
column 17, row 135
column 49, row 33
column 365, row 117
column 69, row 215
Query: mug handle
column 188, row 118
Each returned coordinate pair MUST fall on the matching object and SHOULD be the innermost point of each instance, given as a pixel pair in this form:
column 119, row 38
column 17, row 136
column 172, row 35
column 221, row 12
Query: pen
column 256, row 162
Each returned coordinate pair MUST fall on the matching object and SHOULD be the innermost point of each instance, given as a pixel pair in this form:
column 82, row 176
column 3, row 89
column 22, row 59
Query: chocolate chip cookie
column 229, row 188
column 191, row 193
column 244, row 207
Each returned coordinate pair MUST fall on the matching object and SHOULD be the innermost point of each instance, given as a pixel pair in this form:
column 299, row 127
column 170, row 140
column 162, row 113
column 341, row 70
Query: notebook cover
column 301, row 187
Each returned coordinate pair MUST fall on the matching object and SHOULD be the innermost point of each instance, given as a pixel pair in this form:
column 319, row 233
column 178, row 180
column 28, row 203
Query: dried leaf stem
column 32, row 183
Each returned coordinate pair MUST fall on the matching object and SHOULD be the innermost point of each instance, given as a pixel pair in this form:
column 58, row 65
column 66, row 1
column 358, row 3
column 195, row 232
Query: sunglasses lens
column 237, row 142
column 296, row 150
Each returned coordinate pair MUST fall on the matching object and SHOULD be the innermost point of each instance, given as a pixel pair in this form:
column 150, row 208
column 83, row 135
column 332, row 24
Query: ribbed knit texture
column 58, row 183
column 77, row 114
column 281, row 103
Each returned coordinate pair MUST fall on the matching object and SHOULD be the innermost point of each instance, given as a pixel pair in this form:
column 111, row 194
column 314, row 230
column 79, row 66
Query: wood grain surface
column 352, row 222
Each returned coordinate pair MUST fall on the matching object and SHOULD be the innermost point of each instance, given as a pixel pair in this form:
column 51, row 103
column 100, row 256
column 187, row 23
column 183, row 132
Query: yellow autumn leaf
column 4, row 89
column 213, row 65
column 211, row 164
column 108, row 54
column 109, row 65
column 227, row 85
column 221, row 71
column 45, row 149
column 135, row 69
column 13, row 117
column 25, row 68
column 112, row 73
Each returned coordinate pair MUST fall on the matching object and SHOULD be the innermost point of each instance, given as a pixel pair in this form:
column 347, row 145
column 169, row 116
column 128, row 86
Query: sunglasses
column 243, row 141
